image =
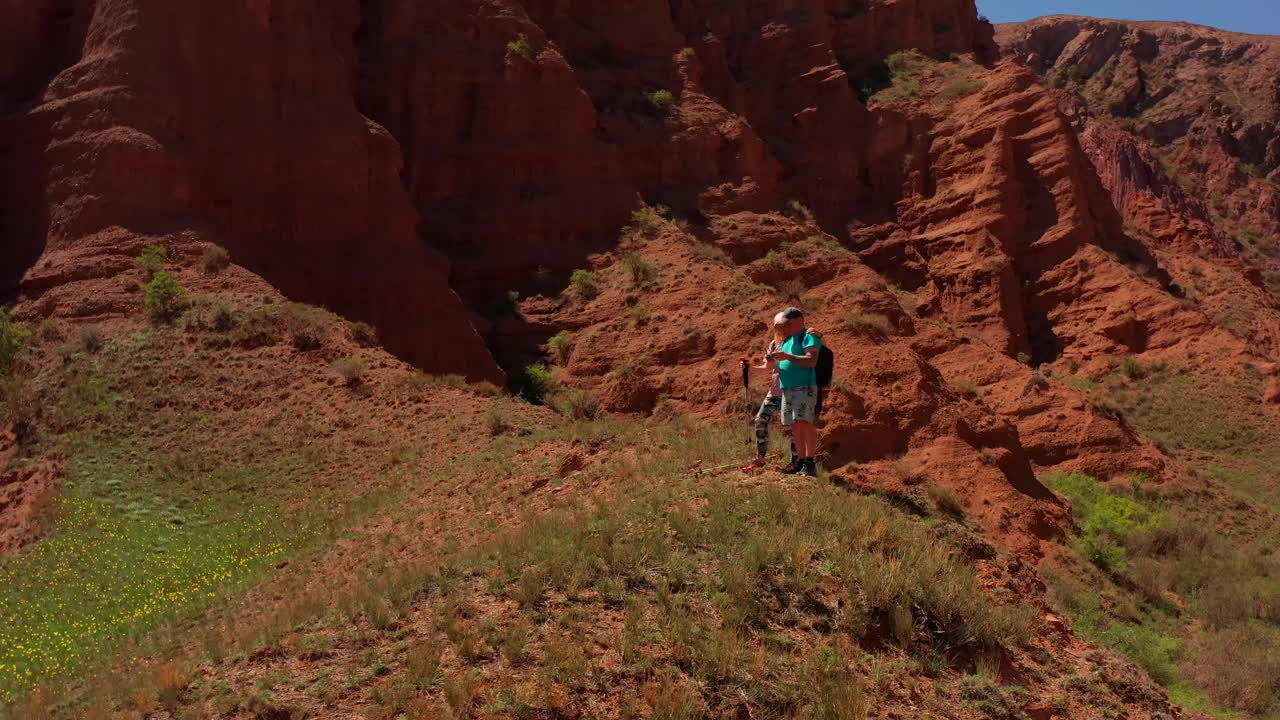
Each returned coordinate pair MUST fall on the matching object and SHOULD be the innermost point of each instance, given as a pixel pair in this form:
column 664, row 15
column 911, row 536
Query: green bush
column 640, row 270
column 1076, row 75
column 13, row 341
column 662, row 100
column 562, row 344
column 537, row 383
column 583, row 283
column 152, row 259
column 1107, row 521
column 164, row 297
column 960, row 87
column 520, row 46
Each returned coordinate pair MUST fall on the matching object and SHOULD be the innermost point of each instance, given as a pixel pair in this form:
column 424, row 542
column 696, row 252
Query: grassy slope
column 187, row 472
column 1188, row 571
column 239, row 532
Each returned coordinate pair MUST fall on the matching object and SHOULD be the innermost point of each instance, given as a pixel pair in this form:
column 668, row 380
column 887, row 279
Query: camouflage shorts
column 799, row 404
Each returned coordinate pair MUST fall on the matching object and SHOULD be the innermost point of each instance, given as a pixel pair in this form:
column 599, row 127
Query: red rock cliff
column 235, row 122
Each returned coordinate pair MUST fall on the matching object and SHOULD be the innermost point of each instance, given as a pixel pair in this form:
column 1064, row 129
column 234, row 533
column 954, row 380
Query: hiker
column 772, row 401
column 797, row 358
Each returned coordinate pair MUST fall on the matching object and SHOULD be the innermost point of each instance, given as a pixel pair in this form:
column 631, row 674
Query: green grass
column 1107, row 520
column 1214, row 417
column 1150, row 644
column 1190, row 698
column 166, row 505
column 107, row 572
column 13, row 341
column 1079, row 383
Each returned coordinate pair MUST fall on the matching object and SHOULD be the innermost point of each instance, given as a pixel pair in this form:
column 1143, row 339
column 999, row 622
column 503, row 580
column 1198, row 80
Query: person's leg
column 788, row 424
column 806, row 431
column 768, row 409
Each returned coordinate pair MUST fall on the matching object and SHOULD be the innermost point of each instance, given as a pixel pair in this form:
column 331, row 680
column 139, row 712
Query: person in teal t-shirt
column 796, row 361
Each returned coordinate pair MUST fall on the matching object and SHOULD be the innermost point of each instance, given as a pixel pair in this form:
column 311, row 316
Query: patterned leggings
column 768, row 409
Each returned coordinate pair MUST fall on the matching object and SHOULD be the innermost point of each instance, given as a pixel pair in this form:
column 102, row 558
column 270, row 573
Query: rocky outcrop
column 1182, row 121
column 236, row 123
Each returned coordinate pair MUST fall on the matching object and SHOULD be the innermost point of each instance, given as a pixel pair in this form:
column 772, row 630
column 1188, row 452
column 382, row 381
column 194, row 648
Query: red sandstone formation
column 981, row 208
column 234, row 124
column 1190, row 116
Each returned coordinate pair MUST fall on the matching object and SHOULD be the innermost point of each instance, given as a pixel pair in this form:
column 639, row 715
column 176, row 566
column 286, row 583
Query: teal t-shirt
column 793, row 374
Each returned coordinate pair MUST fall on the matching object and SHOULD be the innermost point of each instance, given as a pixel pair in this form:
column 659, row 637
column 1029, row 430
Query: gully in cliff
column 800, row 367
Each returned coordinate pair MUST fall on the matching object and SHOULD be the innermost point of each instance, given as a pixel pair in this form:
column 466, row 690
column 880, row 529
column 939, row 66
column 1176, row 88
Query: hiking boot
column 795, row 467
column 753, row 465
column 809, row 468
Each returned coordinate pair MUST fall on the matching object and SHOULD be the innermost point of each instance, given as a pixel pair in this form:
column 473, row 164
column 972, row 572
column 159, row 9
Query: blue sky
column 1251, row 16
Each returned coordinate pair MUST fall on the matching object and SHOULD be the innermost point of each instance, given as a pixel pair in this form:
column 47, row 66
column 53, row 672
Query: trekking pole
column 746, row 396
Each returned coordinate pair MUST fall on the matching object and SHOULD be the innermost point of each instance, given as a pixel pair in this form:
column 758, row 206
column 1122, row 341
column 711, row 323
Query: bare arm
column 808, row 359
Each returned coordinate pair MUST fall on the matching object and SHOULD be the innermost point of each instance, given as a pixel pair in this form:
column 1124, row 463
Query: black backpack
column 825, row 367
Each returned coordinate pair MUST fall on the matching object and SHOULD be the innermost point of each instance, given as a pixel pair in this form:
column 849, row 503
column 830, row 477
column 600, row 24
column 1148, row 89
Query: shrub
column 945, row 500
column 577, row 403
column 1108, row 522
column 562, row 344
column 827, row 243
column 152, row 259
column 1132, row 369
column 1249, row 235
column 639, row 315
column 875, row 322
column 1218, row 203
column 215, row 259
column 304, row 324
column 164, row 297
column 13, row 341
column 662, row 100
column 707, row 251
column 1239, row 667
column 484, row 388
column 520, row 46
column 90, row 339
column 792, row 289
column 351, row 370
column 640, row 270
column 1076, row 75
column 19, row 403
column 496, row 421
column 1252, row 170
column 958, row 88
column 797, row 209
column 363, row 333
column 537, row 383
column 583, row 283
